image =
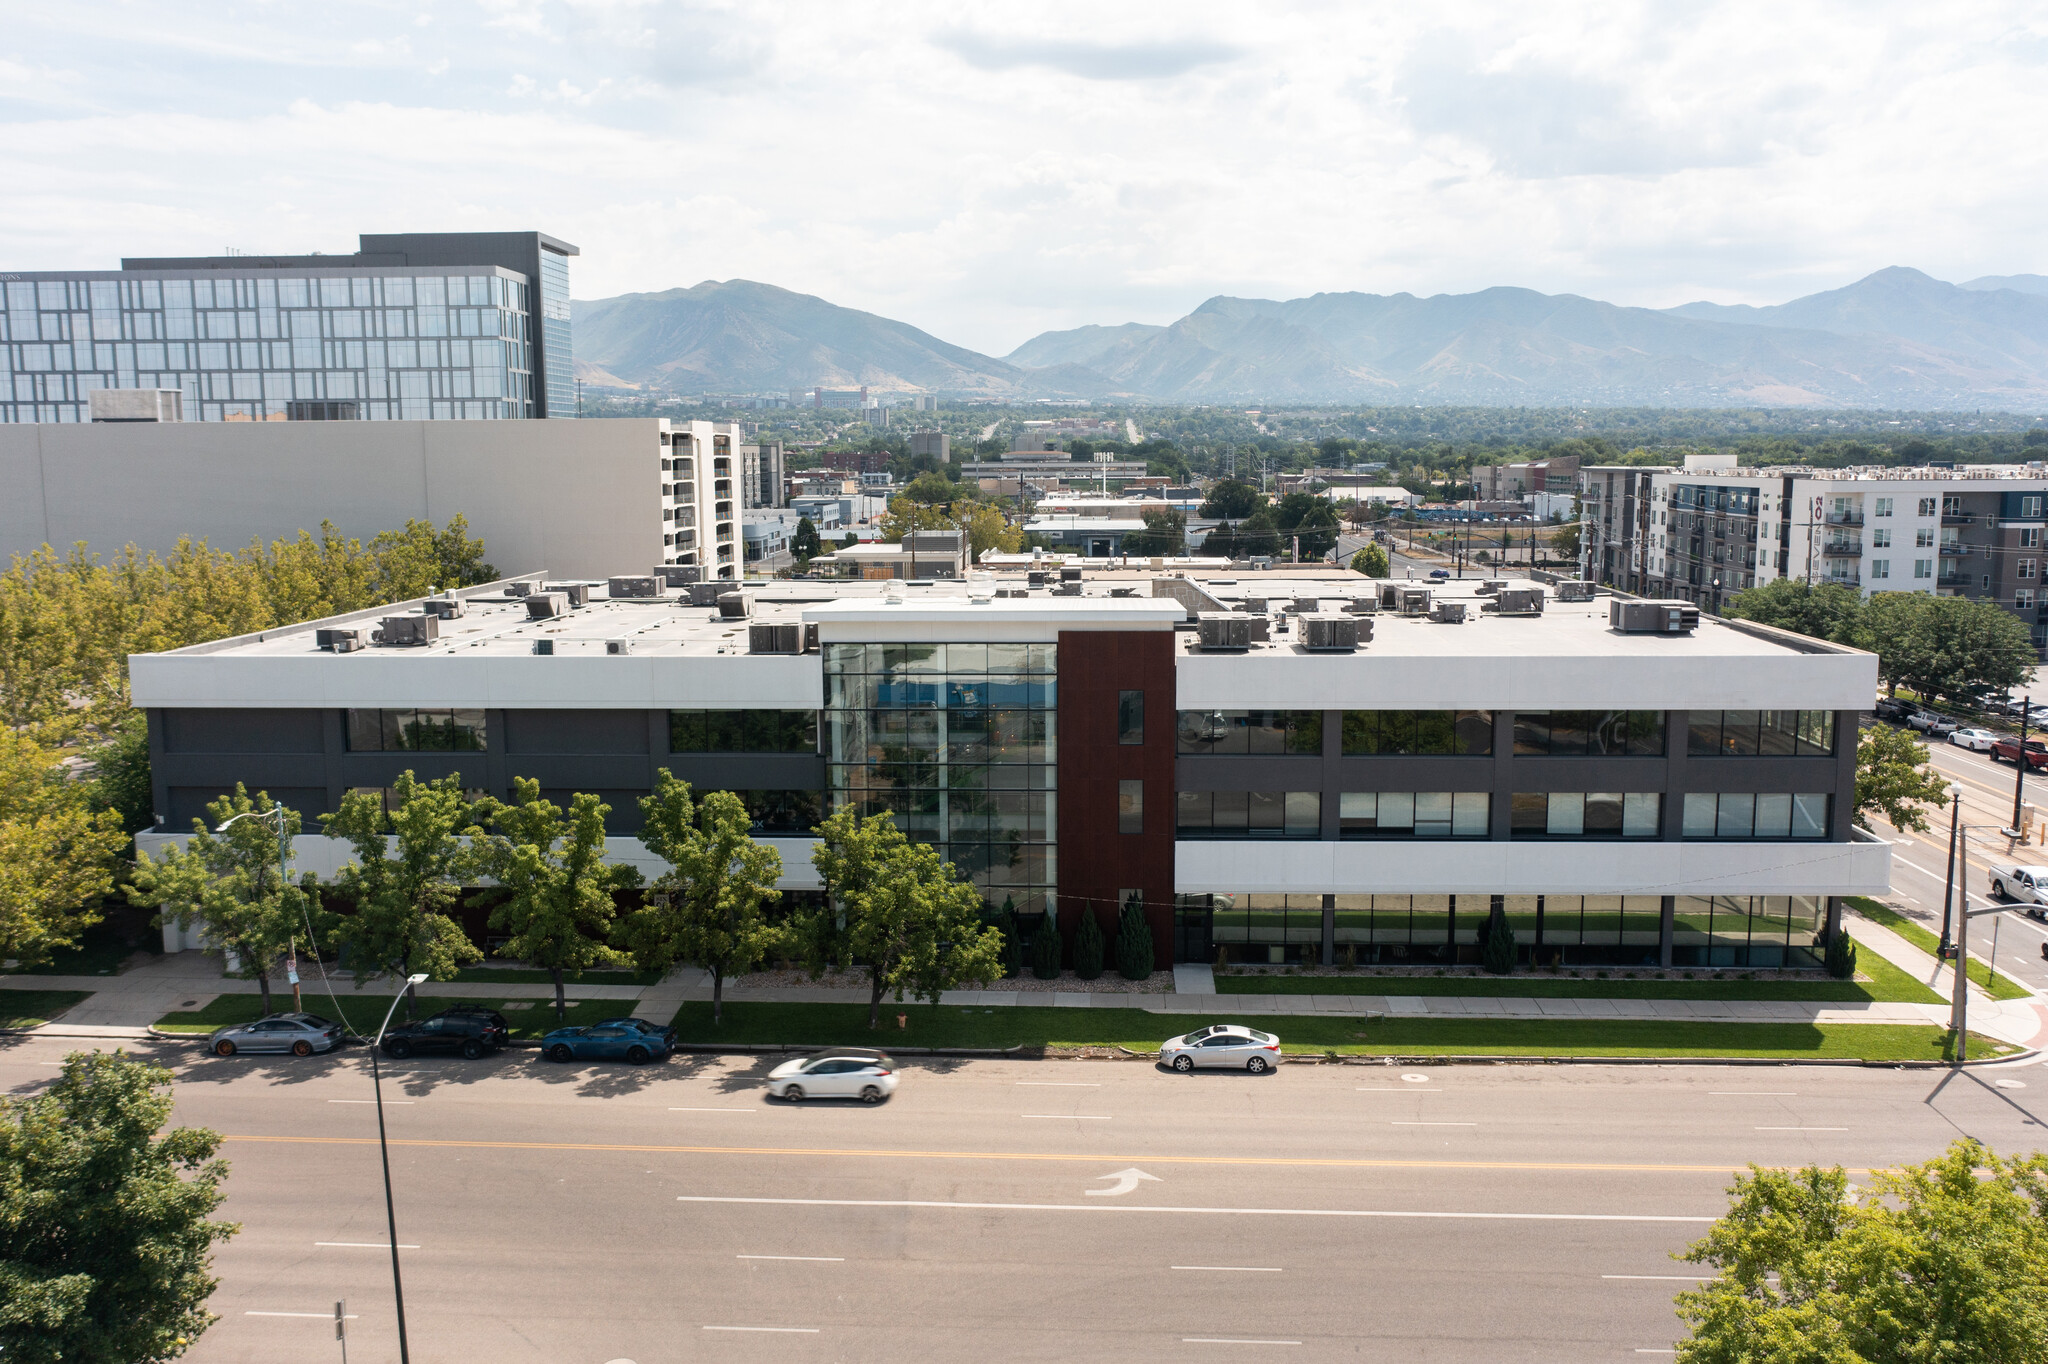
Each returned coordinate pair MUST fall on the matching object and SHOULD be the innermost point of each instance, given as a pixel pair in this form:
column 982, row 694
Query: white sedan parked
column 1976, row 740
column 1226, row 1046
column 847, row 1073
column 2026, row 884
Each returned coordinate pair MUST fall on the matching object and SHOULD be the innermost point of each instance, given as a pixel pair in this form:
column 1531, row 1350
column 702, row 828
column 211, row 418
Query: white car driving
column 2026, row 884
column 1976, row 740
column 847, row 1073
column 1225, row 1046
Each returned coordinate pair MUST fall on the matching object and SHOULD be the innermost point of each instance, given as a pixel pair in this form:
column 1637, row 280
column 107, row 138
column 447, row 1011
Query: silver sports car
column 299, row 1034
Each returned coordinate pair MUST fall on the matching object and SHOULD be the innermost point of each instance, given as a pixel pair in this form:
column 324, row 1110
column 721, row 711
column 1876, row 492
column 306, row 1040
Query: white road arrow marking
column 1126, row 1180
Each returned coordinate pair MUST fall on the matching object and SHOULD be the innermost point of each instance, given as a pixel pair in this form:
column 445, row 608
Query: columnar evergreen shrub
column 1045, row 949
column 1133, row 942
column 1088, row 947
column 1841, row 955
column 1013, row 947
column 1497, row 950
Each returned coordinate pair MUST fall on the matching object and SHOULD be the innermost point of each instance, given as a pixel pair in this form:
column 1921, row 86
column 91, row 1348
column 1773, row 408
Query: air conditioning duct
column 546, row 605
column 406, row 631
column 1653, row 617
column 735, row 606
column 1223, row 634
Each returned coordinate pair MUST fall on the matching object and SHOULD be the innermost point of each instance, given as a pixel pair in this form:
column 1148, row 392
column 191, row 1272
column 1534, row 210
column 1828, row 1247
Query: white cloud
column 987, row 173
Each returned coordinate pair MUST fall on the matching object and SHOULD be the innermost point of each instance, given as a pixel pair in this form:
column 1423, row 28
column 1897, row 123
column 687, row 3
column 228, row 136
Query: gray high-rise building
column 412, row 326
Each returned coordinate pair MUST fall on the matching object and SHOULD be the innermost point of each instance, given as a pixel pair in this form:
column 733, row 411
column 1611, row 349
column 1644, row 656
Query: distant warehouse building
column 1631, row 783
column 577, row 500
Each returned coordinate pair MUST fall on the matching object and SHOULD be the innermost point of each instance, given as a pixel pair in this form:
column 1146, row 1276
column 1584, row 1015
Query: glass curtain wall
column 246, row 346
column 958, row 743
column 554, row 327
column 1748, row 930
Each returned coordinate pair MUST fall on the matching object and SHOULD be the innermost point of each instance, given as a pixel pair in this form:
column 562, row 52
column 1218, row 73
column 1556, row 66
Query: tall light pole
column 1948, row 887
column 384, row 1151
column 2019, row 766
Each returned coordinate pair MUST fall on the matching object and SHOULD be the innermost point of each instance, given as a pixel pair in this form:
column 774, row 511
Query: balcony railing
column 1842, row 549
column 1845, row 579
column 1957, row 518
column 1845, row 518
column 1954, row 551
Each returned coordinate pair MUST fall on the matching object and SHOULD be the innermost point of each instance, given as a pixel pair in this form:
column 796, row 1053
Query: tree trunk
column 561, row 1004
column 717, row 996
column 412, row 994
column 875, row 998
column 263, row 982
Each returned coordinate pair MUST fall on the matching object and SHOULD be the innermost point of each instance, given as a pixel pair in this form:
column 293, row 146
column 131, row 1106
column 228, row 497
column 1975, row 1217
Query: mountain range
column 1897, row 338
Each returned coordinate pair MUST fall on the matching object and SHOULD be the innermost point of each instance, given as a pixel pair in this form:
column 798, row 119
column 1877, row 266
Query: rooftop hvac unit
column 406, row 631
column 1217, row 634
column 735, row 606
column 1066, row 589
column 1517, row 601
column 618, row 648
column 678, row 575
column 1653, row 617
column 1262, row 628
column 518, row 589
column 1331, row 634
column 447, row 608
column 1575, row 590
column 1260, row 562
column 578, row 594
column 546, row 606
column 1013, row 592
column 1070, row 575
column 544, row 647
column 1488, row 587
column 1363, row 606
column 1390, row 596
column 334, row 639
column 1412, row 601
column 707, row 594
column 636, row 589
column 1123, row 591
column 1305, row 606
column 1255, row 606
column 1035, row 577
column 1448, row 613
column 779, row 637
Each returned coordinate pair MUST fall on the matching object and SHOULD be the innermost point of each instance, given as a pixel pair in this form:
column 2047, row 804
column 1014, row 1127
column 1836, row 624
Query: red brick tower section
column 1097, row 862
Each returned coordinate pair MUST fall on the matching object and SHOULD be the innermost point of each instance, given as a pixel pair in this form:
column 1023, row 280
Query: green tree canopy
column 804, row 544
column 1893, row 778
column 1371, row 561
column 1823, row 610
column 1957, row 648
column 907, row 915
column 403, row 886
column 1945, row 1261
column 231, row 884
column 1231, row 499
column 106, row 1245
column 1166, row 530
column 709, row 908
column 57, row 853
column 559, row 911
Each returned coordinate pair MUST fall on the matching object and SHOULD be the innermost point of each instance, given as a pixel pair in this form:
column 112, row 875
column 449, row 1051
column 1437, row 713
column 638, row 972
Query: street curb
column 772, row 1048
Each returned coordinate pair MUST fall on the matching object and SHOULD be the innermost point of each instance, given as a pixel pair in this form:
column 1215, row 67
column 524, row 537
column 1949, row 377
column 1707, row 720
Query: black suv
column 1894, row 710
column 473, row 1032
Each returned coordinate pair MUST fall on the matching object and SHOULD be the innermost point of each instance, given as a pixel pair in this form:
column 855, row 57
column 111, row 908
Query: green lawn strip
column 1888, row 984
column 528, row 1017
column 100, row 952
column 1999, row 986
column 756, row 1024
column 32, row 1008
column 519, row 975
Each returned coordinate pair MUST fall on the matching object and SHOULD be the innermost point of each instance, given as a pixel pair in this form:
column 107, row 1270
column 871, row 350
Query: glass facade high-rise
column 421, row 326
column 554, row 323
column 958, row 742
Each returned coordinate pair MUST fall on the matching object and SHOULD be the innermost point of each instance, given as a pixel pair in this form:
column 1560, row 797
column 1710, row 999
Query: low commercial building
column 580, row 499
column 920, row 554
column 1682, row 797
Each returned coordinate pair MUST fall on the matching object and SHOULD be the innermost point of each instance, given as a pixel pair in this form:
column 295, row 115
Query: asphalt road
column 1920, row 861
column 603, row 1213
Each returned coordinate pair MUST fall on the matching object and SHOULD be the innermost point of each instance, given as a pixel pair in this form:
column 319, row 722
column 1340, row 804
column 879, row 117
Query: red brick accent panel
column 1095, row 860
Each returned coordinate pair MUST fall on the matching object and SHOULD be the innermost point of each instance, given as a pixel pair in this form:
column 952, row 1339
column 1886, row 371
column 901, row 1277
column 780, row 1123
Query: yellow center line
column 1319, row 1162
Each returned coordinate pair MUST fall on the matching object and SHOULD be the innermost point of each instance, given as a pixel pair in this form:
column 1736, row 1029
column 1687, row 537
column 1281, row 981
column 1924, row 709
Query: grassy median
column 1886, row 984
column 1981, row 973
column 33, row 1008
column 1036, row 1029
column 527, row 1017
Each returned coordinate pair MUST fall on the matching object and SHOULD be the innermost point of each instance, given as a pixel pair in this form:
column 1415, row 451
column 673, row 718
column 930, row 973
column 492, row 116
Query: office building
column 414, row 326
column 1264, row 785
column 577, row 500
column 937, row 444
column 762, row 474
column 1708, row 530
column 855, row 398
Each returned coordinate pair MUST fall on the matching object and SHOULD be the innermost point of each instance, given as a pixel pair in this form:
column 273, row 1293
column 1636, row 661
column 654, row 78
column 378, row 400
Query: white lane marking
column 1802, row 1129
column 714, row 1110
column 1126, row 1180
column 388, row 1103
column 1642, row 1351
column 1389, row 1089
column 1663, row 1278
column 1230, row 1269
column 809, row 1259
column 2010, row 1084
column 778, row 1330
column 1236, row 1212
column 323, row 1316
column 1416, row 1079
column 1063, row 1084
column 1079, row 1117
column 364, row 1245
column 1398, row 1123
column 1231, row 1340
column 1767, row 1093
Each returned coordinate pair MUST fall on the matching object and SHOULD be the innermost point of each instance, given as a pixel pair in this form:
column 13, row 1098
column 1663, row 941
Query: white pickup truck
column 2026, row 884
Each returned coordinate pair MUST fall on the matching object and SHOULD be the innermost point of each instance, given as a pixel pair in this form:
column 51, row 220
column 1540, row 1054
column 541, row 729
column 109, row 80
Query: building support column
column 1329, row 928
column 1666, row 921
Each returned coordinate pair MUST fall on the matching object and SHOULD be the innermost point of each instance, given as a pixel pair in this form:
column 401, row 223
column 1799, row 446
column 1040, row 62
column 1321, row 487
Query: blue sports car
column 605, row 1042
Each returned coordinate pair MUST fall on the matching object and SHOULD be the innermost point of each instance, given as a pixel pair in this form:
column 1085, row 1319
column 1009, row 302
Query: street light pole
column 384, row 1151
column 1948, row 885
column 2019, row 765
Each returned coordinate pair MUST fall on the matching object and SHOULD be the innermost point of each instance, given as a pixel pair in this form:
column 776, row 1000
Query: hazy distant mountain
column 739, row 336
column 2024, row 284
column 1895, row 339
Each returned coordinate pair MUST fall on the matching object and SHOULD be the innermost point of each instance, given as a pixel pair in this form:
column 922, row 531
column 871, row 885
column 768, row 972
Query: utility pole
column 2019, row 773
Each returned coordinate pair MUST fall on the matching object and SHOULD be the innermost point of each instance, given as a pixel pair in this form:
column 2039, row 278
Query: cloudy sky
column 990, row 171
